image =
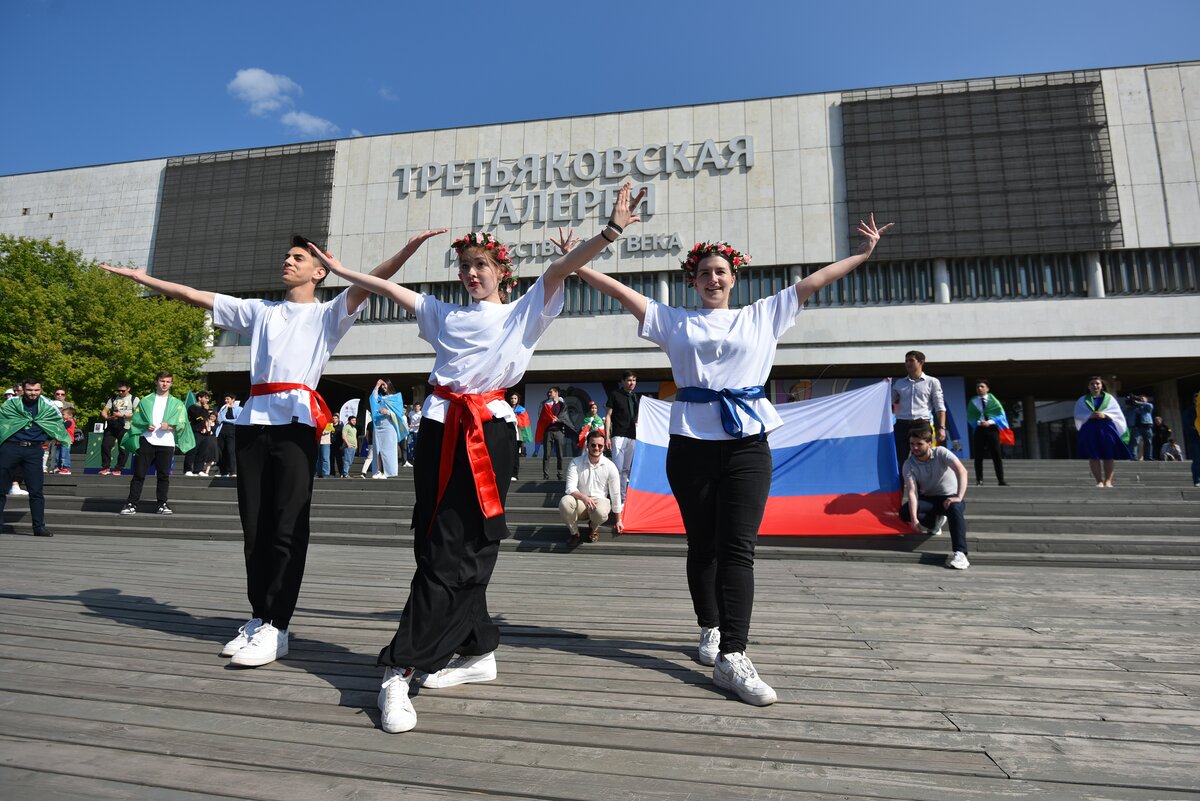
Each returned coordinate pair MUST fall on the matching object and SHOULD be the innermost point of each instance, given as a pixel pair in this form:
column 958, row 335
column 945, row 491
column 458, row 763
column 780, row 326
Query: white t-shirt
column 721, row 349
column 289, row 343
column 158, row 436
column 484, row 346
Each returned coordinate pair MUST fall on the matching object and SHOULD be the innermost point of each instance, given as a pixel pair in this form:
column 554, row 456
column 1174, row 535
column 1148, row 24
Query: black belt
column 25, row 443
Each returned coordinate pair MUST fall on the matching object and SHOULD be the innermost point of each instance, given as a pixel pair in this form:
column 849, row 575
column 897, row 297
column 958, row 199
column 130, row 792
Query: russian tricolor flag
column 834, row 470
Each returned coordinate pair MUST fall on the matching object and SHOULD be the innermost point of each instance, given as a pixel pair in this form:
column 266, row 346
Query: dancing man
column 278, row 427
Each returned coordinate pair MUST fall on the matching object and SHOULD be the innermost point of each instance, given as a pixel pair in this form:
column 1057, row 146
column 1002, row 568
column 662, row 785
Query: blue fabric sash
column 731, row 400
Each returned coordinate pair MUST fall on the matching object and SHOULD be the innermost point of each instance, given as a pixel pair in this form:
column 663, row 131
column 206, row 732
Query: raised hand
column 128, row 272
column 418, row 240
column 872, row 233
column 622, row 212
column 331, row 263
column 566, row 242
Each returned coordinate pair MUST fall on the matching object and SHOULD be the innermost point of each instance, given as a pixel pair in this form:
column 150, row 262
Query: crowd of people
column 464, row 441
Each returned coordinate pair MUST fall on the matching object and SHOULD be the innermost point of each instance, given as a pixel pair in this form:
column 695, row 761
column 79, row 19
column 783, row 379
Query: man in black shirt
column 197, row 413
column 620, row 424
column 554, row 411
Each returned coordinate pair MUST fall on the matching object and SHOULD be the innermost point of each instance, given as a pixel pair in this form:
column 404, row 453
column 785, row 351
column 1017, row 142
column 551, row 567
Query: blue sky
column 85, row 82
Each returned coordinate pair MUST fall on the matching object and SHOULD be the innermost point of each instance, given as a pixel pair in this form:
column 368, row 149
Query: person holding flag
column 550, row 428
column 277, row 429
column 524, row 432
column 989, row 430
column 465, row 445
column 1103, row 433
column 388, row 417
column 718, row 461
column 591, row 422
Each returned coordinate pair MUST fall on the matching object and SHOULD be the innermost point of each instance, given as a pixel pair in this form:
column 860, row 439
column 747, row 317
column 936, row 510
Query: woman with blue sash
column 1102, row 431
column 718, row 459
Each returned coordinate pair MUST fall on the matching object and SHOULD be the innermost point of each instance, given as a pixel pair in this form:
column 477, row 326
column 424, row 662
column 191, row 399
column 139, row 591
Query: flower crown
column 485, row 241
column 702, row 250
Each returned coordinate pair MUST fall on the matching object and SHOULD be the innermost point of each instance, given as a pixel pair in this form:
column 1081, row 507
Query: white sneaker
column 958, row 561
column 938, row 525
column 189, row 473
column 710, row 642
column 379, row 475
column 736, row 672
column 398, row 713
column 266, row 645
column 129, row 509
column 463, row 670
column 17, row 491
column 243, row 637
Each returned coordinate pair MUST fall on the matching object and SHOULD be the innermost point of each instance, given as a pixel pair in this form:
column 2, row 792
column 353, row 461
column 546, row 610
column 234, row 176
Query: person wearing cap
column 27, row 423
column 277, row 429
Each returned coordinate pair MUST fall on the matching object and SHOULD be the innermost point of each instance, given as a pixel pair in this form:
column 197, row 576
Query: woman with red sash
column 278, row 428
column 466, row 445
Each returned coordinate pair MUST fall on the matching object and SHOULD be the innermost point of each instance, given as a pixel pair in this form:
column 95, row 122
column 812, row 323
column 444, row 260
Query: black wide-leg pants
column 275, row 482
column 455, row 548
column 721, row 487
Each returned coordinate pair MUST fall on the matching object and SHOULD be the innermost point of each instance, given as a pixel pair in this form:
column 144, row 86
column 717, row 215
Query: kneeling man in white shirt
column 593, row 491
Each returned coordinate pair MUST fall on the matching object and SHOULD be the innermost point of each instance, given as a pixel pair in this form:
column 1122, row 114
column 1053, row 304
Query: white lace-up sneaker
column 243, row 637
column 736, row 672
column 266, row 645
column 710, row 645
column 463, row 670
column 398, row 713
column 938, row 525
column 958, row 561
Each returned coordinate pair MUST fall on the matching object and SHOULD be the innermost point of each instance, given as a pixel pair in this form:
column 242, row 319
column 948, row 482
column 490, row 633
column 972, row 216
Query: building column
column 1095, row 274
column 941, row 281
column 664, row 289
column 1029, row 428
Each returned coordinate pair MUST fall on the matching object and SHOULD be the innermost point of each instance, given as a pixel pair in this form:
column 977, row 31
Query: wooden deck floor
column 894, row 681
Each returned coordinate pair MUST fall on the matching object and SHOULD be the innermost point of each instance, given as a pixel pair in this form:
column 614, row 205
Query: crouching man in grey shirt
column 935, row 482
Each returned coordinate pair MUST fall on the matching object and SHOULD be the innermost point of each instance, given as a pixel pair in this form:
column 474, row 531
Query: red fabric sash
column 465, row 414
column 316, row 404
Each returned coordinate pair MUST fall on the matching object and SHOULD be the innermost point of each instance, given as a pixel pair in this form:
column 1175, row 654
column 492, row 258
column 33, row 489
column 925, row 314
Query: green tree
column 68, row 322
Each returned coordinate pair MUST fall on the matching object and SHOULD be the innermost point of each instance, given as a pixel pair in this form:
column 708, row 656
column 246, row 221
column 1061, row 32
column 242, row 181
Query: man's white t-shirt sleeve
column 235, row 314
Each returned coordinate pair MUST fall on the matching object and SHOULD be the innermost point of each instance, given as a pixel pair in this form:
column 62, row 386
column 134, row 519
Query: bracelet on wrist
column 606, row 239
column 615, row 227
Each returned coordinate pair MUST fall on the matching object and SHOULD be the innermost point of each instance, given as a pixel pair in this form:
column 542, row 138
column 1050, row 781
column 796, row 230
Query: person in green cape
column 159, row 424
column 989, row 429
column 27, row 422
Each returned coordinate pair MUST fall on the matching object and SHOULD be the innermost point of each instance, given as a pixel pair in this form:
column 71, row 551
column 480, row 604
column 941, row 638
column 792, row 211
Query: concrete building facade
column 1048, row 226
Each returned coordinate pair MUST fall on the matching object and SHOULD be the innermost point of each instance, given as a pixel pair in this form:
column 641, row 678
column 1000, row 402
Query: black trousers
column 227, row 463
column 158, row 455
column 275, row 483
column 721, row 487
column 112, row 439
column 986, row 442
column 557, row 439
column 26, row 463
column 930, row 507
column 455, row 549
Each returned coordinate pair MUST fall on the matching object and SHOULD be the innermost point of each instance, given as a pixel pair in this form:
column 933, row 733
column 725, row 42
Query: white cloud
column 263, row 91
column 308, row 124
column 387, row 94
column 355, row 132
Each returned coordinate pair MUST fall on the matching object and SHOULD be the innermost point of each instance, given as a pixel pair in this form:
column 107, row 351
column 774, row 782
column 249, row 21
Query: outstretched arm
column 832, row 272
column 634, row 302
column 389, row 267
column 369, row 282
column 172, row 290
column 577, row 257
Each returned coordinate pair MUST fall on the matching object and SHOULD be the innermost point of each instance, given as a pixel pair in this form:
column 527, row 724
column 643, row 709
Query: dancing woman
column 1102, row 431
column 718, row 461
column 465, row 445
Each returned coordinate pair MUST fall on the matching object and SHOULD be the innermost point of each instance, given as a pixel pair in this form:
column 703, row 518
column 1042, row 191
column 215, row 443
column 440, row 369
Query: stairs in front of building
column 1051, row 513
